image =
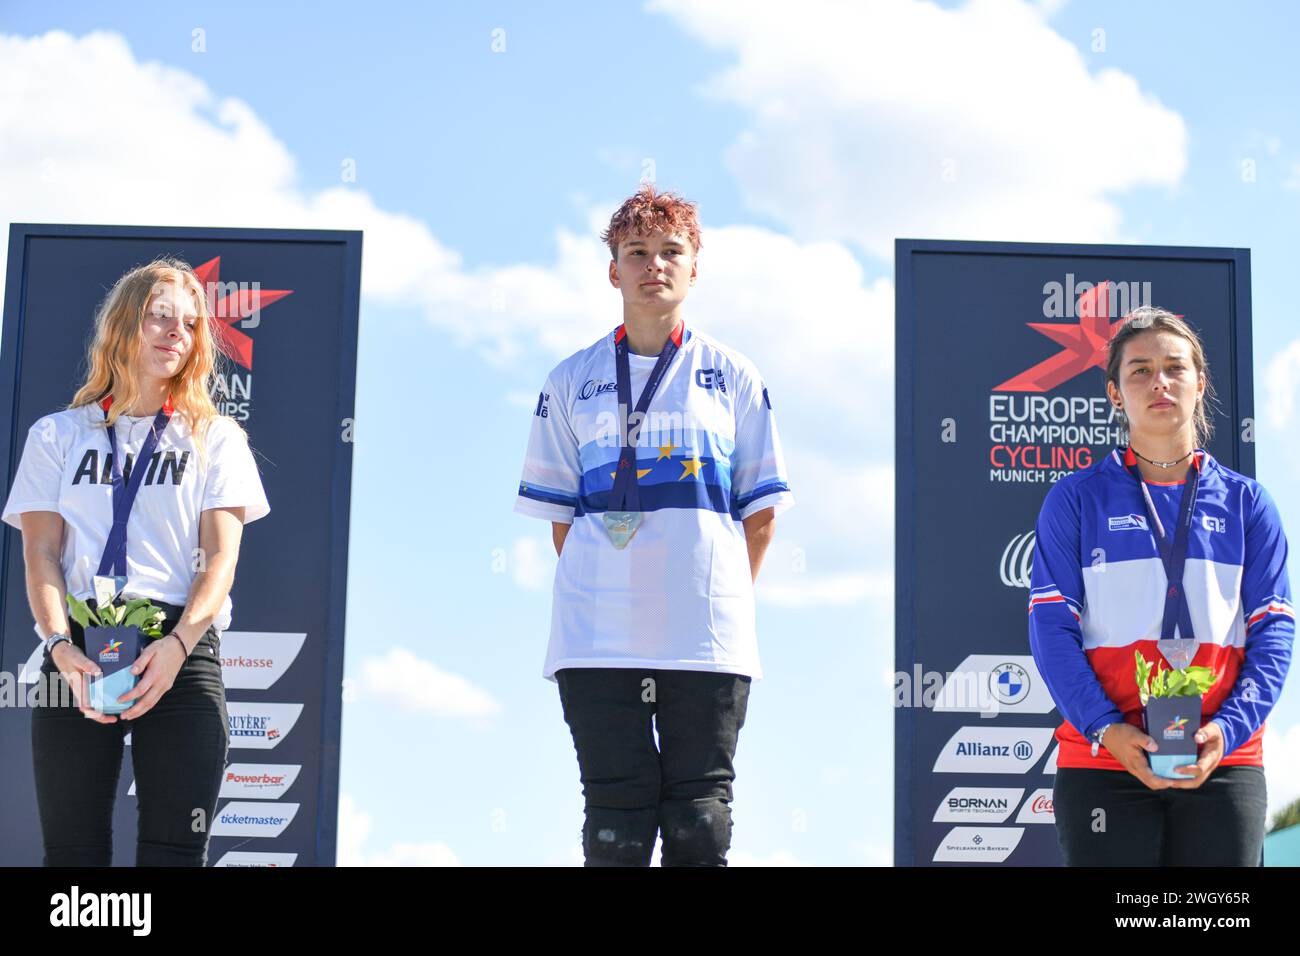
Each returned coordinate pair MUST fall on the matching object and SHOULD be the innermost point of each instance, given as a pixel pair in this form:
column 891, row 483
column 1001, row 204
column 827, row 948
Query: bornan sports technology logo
column 236, row 308
column 1037, row 437
column 1127, row 523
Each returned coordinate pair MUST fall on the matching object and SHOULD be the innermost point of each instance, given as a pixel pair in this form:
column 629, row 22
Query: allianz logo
column 1021, row 749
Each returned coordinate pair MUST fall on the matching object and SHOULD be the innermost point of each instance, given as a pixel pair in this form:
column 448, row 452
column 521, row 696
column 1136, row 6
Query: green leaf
column 137, row 617
column 1203, row 678
column 1143, row 677
column 79, row 610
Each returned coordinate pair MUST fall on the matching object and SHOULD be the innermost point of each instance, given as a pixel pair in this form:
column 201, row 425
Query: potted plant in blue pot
column 1171, row 712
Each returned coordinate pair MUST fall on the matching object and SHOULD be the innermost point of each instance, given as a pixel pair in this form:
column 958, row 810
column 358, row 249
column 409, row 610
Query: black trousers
column 178, row 751
column 680, row 789
column 1110, row 818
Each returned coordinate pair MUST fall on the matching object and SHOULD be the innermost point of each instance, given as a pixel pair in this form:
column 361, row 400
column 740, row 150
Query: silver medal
column 1178, row 652
column 621, row 526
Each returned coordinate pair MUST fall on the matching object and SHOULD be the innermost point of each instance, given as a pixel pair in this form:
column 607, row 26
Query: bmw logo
column 1009, row 683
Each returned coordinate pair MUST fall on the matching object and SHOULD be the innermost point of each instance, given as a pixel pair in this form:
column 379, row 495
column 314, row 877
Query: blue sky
column 482, row 179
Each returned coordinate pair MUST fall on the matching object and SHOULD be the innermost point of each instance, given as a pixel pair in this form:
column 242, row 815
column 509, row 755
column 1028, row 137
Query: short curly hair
column 649, row 212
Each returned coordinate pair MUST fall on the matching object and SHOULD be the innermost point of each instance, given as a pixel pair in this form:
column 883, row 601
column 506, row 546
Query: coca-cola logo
column 1042, row 804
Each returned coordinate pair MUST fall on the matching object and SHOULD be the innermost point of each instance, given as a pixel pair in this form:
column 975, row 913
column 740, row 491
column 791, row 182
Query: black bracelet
column 185, row 649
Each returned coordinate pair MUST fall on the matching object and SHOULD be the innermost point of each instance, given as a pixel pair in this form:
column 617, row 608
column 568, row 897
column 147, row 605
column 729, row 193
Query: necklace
column 1159, row 464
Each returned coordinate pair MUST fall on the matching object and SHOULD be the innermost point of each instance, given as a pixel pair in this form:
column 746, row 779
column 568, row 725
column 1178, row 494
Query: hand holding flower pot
column 1171, row 712
column 114, row 638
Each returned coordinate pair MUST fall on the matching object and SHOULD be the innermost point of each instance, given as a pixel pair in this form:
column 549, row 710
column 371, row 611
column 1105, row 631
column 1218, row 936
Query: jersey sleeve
column 759, row 479
column 1056, row 598
column 36, row 484
column 552, row 472
column 233, row 480
column 1270, row 625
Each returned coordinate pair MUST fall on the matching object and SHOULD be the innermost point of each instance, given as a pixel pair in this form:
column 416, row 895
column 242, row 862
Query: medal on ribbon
column 623, row 515
column 621, row 525
column 1178, row 651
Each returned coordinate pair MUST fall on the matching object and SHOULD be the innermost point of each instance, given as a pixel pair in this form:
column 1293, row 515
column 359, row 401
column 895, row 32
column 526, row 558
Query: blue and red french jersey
column 1098, row 593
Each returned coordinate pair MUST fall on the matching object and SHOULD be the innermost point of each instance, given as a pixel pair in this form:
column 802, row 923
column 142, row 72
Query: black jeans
column 633, row 790
column 178, row 750
column 1110, row 818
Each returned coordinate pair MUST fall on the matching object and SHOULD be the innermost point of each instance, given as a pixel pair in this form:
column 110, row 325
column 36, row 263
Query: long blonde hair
column 114, row 350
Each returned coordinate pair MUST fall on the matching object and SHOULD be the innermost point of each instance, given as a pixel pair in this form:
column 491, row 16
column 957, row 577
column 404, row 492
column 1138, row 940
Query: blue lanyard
column 1173, row 553
column 124, row 492
column 624, row 496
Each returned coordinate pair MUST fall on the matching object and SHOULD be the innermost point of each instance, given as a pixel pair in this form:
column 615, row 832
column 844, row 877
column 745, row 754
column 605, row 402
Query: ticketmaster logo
column 248, row 818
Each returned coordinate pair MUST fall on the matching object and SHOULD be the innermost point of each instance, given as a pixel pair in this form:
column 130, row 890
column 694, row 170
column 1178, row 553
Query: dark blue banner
column 285, row 306
column 1001, row 390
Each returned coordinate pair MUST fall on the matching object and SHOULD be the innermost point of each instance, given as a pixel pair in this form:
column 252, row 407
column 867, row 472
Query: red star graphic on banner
column 1085, row 345
column 228, row 308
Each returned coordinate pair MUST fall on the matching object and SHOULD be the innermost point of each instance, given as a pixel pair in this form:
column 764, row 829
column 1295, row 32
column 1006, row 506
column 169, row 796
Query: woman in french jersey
column 1099, row 595
column 184, row 487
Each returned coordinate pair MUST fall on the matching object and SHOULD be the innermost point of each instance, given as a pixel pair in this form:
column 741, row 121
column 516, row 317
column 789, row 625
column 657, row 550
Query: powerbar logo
column 259, row 781
column 102, row 909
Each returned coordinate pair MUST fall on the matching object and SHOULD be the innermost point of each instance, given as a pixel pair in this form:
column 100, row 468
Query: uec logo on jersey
column 708, row 377
column 591, row 388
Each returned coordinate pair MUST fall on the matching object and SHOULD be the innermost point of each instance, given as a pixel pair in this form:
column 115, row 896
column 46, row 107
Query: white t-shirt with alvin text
column 66, row 468
column 680, row 596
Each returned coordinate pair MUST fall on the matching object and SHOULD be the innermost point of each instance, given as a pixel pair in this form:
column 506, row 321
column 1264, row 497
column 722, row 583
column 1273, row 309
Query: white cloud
column 354, row 831
column 1282, row 387
column 532, row 563
column 821, row 590
column 418, row 686
column 899, row 118
column 1282, row 766
column 804, row 312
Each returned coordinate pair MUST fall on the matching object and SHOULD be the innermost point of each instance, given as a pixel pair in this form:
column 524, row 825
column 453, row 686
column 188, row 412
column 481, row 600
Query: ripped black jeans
column 178, row 752
column 680, row 789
